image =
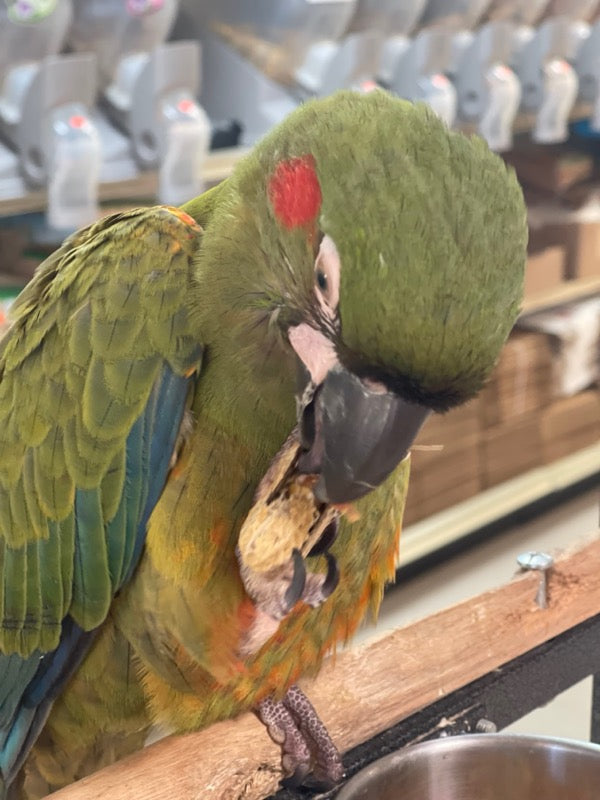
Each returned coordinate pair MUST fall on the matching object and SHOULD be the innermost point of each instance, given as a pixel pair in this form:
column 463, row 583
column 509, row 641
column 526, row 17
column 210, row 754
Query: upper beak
column 354, row 436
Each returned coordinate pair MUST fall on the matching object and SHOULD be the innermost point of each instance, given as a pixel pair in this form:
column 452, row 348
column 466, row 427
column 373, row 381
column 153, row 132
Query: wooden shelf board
column 217, row 167
column 524, row 122
column 565, row 293
column 448, row 526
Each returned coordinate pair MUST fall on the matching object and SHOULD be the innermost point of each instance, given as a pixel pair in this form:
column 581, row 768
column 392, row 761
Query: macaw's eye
column 327, row 276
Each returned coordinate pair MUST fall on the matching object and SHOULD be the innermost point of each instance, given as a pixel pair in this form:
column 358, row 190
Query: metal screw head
column 533, row 559
column 486, row 726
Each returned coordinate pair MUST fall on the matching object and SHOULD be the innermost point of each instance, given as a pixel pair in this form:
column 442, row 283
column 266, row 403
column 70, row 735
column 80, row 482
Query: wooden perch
column 365, row 690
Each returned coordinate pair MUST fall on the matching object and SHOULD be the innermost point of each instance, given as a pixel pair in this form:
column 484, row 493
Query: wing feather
column 94, row 378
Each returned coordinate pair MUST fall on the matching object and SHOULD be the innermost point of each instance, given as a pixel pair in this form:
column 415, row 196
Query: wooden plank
column 365, row 690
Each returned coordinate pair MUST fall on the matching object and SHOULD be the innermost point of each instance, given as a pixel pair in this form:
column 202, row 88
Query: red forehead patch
column 294, row 192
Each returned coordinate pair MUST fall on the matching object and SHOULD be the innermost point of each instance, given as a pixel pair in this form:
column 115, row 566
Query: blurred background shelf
column 154, row 100
column 449, row 526
column 134, row 100
column 567, row 292
column 217, row 166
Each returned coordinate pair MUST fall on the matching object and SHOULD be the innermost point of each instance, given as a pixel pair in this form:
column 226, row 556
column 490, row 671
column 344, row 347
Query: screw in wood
column 541, row 562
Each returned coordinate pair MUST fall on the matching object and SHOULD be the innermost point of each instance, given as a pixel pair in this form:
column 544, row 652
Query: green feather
column 33, row 612
column 92, row 590
column 15, row 597
column 19, row 530
column 117, row 541
column 54, row 487
column 64, row 533
column 77, row 368
column 114, row 336
column 112, row 486
column 127, row 380
column 38, row 522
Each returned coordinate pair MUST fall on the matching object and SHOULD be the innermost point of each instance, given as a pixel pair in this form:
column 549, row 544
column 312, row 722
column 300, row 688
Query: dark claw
column 297, row 779
column 326, row 539
column 332, row 578
column 296, row 588
column 319, row 783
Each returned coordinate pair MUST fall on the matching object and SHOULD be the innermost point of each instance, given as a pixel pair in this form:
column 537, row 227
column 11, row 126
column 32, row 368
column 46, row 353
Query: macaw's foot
column 311, row 587
column 285, row 530
column 306, row 746
column 276, row 592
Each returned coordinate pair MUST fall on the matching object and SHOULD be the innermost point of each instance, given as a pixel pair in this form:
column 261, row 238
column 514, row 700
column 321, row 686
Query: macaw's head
column 392, row 255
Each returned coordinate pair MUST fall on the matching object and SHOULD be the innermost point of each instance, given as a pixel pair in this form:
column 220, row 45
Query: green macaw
column 205, row 415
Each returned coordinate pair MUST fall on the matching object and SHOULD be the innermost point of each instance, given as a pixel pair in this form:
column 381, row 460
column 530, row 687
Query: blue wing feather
column 28, row 686
column 164, row 425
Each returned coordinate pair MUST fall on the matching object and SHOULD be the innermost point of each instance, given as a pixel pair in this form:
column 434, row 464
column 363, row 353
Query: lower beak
column 354, row 436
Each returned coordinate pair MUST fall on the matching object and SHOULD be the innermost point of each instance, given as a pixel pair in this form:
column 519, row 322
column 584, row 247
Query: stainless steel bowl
column 490, row 766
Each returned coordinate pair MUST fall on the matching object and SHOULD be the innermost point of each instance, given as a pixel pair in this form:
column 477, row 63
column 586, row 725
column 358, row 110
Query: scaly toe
column 327, row 762
column 283, row 729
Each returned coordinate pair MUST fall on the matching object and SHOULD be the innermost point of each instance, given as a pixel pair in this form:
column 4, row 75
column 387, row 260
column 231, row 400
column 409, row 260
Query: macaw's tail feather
column 25, row 708
column 16, row 720
column 16, row 741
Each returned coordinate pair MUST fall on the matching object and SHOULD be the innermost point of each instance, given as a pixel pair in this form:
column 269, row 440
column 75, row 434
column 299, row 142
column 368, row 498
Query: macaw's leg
column 306, row 746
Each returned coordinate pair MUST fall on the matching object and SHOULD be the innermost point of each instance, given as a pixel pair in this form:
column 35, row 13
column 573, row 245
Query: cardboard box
column 522, row 381
column 16, row 268
column 577, row 231
column 551, row 169
column 511, row 449
column 581, row 240
column 584, row 255
column 441, row 478
column 452, row 427
column 570, row 424
column 434, row 470
column 545, row 270
column 418, row 508
column 573, row 332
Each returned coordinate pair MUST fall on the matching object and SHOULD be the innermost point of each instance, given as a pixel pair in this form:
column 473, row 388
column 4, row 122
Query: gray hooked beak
column 353, row 435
